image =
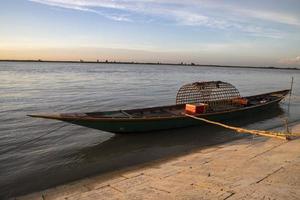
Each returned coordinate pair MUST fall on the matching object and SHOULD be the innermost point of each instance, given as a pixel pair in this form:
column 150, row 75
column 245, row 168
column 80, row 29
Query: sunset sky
column 225, row 32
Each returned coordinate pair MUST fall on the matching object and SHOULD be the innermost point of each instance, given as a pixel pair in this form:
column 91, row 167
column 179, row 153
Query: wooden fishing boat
column 220, row 98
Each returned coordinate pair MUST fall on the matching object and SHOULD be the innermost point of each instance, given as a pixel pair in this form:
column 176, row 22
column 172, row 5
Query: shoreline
column 107, row 175
column 151, row 63
column 247, row 168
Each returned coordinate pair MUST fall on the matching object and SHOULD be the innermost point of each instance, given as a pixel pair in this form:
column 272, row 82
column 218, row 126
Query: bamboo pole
column 292, row 82
column 272, row 134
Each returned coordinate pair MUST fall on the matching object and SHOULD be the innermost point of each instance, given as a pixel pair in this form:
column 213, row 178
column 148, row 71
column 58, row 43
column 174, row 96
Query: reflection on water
column 75, row 152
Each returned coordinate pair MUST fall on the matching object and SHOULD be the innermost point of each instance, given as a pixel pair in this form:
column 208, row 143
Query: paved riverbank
column 259, row 168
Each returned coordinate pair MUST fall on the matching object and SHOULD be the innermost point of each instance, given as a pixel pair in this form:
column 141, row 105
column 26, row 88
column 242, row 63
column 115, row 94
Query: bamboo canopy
column 214, row 93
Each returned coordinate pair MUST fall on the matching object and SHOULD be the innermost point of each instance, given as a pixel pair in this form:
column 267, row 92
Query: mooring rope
column 32, row 141
column 274, row 134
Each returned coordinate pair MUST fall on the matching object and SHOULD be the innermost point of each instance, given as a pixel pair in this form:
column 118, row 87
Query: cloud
column 282, row 18
column 192, row 18
column 211, row 14
column 290, row 61
column 87, row 6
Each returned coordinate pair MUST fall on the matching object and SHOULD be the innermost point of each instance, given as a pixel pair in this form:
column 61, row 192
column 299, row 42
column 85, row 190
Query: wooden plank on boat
column 125, row 113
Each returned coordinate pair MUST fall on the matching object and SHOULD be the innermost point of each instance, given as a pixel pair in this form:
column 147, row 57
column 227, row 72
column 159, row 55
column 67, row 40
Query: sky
column 223, row 32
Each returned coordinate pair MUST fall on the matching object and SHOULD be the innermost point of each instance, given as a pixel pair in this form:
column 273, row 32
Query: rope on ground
column 273, row 134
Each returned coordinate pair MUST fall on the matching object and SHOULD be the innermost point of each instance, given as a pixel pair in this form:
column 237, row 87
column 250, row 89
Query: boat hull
column 122, row 126
column 127, row 121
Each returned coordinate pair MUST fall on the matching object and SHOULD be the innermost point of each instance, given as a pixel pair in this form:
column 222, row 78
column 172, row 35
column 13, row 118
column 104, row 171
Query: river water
column 74, row 152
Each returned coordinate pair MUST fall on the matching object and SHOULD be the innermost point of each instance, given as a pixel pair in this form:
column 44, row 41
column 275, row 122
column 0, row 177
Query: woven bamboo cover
column 212, row 92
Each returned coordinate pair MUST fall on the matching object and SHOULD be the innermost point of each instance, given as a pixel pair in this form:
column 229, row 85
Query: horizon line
column 147, row 63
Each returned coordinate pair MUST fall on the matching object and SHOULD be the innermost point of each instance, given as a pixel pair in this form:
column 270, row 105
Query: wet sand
column 249, row 168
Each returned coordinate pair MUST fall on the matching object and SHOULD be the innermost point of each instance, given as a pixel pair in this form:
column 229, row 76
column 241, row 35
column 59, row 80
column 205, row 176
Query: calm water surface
column 74, row 152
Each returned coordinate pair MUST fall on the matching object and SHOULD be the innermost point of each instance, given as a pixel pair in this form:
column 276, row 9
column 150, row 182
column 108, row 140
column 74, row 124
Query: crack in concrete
column 173, row 174
column 132, row 176
column 160, row 189
column 260, row 180
column 267, row 150
column 114, row 188
column 230, row 195
column 101, row 187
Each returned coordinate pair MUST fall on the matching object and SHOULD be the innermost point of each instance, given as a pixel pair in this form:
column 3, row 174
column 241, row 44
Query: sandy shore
column 258, row 168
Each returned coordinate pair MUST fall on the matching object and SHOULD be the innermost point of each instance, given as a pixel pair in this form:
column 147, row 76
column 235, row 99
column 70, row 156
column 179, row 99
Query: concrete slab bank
column 261, row 168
